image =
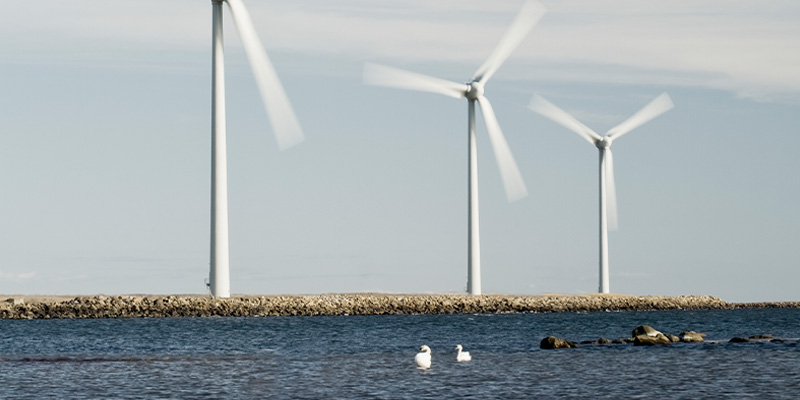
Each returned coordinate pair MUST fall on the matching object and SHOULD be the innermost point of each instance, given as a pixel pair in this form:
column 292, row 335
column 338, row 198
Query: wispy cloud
column 746, row 47
column 742, row 47
column 635, row 274
column 17, row 276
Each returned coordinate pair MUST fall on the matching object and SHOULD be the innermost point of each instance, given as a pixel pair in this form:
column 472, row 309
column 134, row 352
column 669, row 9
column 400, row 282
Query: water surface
column 372, row 357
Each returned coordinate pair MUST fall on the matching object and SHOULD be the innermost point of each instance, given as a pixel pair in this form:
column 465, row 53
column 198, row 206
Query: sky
column 105, row 155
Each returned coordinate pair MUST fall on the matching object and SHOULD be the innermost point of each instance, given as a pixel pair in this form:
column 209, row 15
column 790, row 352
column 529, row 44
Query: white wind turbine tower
column 608, row 191
column 374, row 74
column 284, row 125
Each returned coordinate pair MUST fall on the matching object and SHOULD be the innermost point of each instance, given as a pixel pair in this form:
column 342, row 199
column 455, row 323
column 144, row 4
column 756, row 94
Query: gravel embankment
column 139, row 306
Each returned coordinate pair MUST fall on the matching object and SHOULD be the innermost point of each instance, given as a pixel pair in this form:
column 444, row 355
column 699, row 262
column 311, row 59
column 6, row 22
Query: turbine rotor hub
column 604, row 143
column 475, row 90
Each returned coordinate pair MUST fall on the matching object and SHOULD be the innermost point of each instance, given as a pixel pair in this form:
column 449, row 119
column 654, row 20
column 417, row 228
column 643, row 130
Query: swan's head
column 425, row 349
column 459, row 348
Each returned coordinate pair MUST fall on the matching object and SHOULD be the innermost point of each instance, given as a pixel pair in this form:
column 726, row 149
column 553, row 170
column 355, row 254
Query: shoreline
column 194, row 305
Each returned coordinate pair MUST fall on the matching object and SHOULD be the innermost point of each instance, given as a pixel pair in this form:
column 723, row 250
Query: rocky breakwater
column 646, row 335
column 144, row 306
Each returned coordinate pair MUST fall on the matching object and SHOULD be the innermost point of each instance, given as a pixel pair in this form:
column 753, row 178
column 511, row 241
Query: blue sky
column 105, row 162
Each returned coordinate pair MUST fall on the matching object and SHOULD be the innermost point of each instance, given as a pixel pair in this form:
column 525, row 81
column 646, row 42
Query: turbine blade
column 658, row 106
column 551, row 111
column 380, row 75
column 512, row 179
column 281, row 115
column 611, row 191
column 531, row 12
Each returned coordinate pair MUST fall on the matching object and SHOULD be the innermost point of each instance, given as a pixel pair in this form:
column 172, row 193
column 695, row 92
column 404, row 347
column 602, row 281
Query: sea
column 372, row 357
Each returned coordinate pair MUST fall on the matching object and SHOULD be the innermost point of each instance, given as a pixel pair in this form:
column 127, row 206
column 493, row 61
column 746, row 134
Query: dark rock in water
column 644, row 330
column 552, row 342
column 739, row 340
column 672, row 338
column 646, row 335
column 777, row 340
column 647, row 340
column 760, row 337
column 691, row 336
column 596, row 342
column 622, row 340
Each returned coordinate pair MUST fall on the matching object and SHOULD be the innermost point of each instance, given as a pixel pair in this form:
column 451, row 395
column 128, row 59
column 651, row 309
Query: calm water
column 372, row 357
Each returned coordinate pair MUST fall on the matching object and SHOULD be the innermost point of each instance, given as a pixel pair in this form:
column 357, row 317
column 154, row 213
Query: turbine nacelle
column 474, row 90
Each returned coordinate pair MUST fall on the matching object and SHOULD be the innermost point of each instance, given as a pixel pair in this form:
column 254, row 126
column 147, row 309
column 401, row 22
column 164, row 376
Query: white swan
column 423, row 358
column 462, row 355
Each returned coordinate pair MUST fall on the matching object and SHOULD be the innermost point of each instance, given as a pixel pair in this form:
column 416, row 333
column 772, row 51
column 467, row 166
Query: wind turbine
column 284, row 125
column 473, row 91
column 608, row 191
